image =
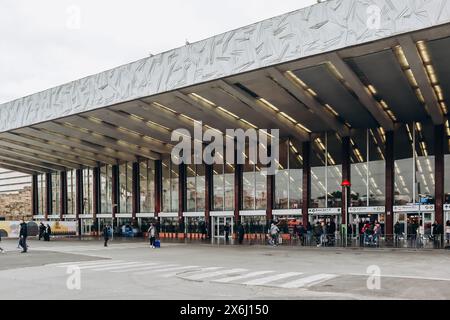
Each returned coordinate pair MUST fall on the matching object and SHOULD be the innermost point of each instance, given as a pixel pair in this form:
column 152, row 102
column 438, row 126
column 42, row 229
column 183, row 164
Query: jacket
column 23, row 230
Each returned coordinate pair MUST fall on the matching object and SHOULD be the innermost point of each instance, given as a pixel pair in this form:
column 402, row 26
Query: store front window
column 254, row 185
column 367, row 169
column 71, row 192
column 326, row 171
column 414, row 165
column 170, row 182
column 223, row 187
column 42, row 194
column 56, row 192
column 125, row 187
column 195, row 188
column 88, row 191
column 106, row 189
column 289, row 178
column 147, row 185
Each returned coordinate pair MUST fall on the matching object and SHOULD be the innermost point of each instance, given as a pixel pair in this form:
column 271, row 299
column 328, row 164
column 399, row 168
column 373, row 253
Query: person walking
column 1, row 249
column 23, row 234
column 241, row 233
column 227, row 230
column 106, row 235
column 274, row 231
column 437, row 232
column 309, row 233
column 447, row 231
column 41, row 230
column 47, row 233
column 152, row 235
column 398, row 233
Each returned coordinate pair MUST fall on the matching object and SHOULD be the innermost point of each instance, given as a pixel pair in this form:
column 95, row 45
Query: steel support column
column 346, row 176
column 62, row 194
column 390, row 180
column 115, row 191
column 208, row 194
column 48, row 198
column 79, row 197
column 306, row 197
column 439, row 151
column 136, row 201
column 34, row 195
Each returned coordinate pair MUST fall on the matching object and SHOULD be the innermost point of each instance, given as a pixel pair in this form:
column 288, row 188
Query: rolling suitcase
column 157, row 244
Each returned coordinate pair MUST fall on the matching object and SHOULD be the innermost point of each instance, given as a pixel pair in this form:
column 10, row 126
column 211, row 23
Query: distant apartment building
column 15, row 195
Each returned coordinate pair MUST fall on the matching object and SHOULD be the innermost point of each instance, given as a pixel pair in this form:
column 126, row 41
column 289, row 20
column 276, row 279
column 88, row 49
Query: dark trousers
column 23, row 243
column 106, row 242
column 152, row 241
column 241, row 238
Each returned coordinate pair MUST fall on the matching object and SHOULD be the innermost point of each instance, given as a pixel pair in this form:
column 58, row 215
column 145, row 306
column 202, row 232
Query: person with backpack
column 106, row 235
column 152, row 235
column 23, row 234
column 274, row 231
column 47, row 233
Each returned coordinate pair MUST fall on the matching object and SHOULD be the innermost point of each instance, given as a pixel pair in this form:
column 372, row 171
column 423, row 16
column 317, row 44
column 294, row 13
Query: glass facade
column 71, row 192
column 289, row 178
column 223, row 187
column 170, row 182
column 414, row 165
column 106, row 189
column 42, row 194
column 254, row 188
column 125, row 187
column 56, row 193
column 368, row 169
column 326, row 171
column 88, row 191
column 147, row 186
column 195, row 188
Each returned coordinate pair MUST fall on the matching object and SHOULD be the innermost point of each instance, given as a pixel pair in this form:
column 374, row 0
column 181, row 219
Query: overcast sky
column 46, row 43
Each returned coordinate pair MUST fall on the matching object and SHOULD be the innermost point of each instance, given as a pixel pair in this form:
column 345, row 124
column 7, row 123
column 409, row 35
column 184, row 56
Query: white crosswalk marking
column 266, row 280
column 244, row 276
column 82, row 263
column 125, row 265
column 105, row 265
column 214, row 274
column 143, row 266
column 308, row 281
column 175, row 269
column 150, row 269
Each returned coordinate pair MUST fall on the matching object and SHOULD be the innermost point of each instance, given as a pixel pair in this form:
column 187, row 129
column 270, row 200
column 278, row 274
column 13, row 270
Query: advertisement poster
column 11, row 229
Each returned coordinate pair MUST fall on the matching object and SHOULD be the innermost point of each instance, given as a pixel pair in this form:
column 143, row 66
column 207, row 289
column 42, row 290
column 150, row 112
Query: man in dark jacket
column 106, row 234
column 41, row 231
column 241, row 233
column 23, row 236
column 438, row 231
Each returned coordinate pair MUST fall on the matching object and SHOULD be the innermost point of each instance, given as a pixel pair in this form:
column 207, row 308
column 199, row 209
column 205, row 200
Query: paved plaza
column 132, row 270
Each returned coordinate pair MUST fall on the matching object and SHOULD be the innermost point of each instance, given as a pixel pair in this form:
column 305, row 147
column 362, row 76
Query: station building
column 359, row 91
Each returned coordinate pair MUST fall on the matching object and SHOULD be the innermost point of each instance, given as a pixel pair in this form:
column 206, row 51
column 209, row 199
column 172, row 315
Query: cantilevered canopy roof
column 328, row 67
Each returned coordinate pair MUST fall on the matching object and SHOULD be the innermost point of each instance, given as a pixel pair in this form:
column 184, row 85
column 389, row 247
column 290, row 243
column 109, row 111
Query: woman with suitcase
column 152, row 235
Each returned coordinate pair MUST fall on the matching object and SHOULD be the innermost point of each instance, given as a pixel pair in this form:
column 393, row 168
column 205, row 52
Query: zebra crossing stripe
column 87, row 263
column 80, row 263
column 105, row 265
column 125, row 265
column 148, row 270
column 263, row 281
column 214, row 274
column 175, row 269
column 245, row 276
column 308, row 281
column 143, row 266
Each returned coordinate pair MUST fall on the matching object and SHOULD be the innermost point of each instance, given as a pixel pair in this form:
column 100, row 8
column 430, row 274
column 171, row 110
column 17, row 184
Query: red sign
column 346, row 184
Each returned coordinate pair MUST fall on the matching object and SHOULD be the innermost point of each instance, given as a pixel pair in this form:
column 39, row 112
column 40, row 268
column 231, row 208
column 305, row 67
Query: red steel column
column 136, row 201
column 34, row 195
column 439, row 135
column 208, row 195
column 62, row 194
column 158, row 186
column 237, row 191
column 390, row 177
column 306, row 198
column 346, row 176
column 48, row 198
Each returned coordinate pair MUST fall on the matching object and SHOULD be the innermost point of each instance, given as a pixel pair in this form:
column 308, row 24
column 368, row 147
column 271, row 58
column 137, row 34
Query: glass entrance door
column 331, row 224
column 87, row 227
column 222, row 228
column 447, row 228
column 416, row 227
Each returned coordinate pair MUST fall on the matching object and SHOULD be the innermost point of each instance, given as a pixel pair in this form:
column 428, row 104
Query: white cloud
column 40, row 48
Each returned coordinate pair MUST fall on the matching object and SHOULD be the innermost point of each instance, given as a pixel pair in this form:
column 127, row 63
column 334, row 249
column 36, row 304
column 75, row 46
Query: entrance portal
column 222, row 229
